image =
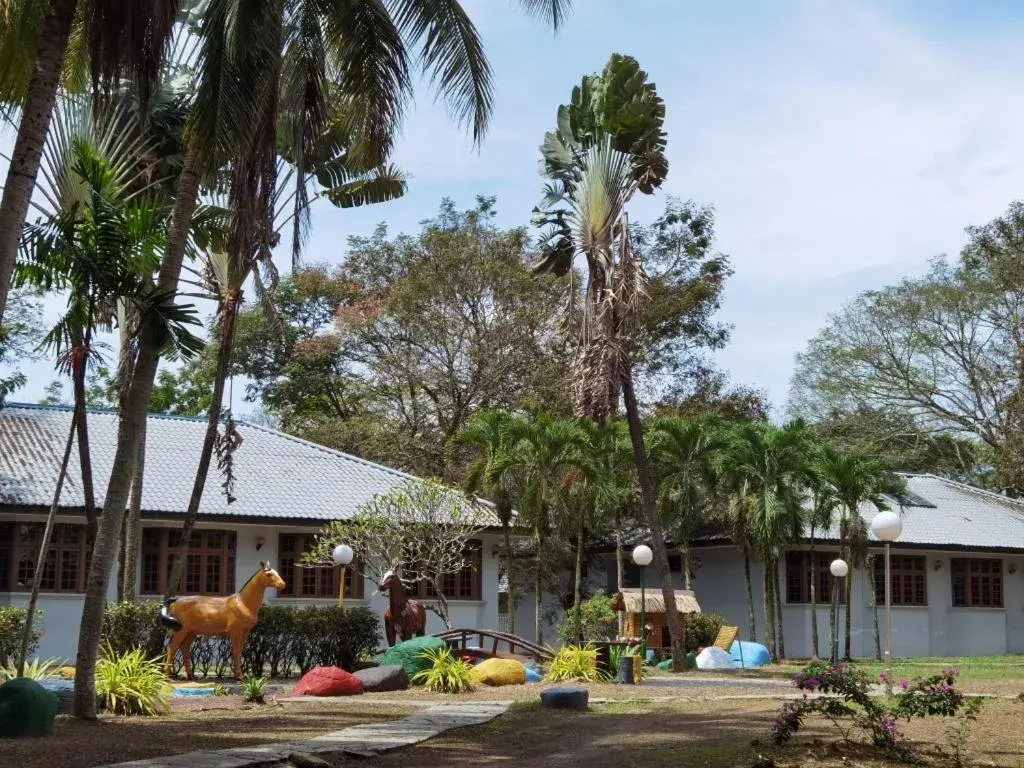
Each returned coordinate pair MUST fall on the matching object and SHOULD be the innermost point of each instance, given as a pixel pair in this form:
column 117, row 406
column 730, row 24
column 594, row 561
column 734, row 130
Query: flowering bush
column 845, row 696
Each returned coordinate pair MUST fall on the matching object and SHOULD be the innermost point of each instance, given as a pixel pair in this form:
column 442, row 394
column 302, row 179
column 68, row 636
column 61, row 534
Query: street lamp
column 887, row 527
column 342, row 557
column 643, row 556
column 839, row 569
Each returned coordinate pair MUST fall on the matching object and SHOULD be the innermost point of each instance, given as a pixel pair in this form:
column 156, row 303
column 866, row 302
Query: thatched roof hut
column 629, row 601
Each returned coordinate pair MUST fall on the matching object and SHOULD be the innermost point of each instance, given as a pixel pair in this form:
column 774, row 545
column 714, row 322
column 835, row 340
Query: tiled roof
column 277, row 475
column 961, row 516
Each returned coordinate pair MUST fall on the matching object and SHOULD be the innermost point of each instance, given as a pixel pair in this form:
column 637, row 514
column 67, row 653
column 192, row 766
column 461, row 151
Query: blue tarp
column 747, row 655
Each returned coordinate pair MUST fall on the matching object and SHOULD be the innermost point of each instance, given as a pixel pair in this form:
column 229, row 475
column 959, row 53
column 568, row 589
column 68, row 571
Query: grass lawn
column 695, row 734
column 224, row 723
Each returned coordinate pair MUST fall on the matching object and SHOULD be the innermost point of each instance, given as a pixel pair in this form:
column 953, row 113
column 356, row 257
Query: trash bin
column 625, row 673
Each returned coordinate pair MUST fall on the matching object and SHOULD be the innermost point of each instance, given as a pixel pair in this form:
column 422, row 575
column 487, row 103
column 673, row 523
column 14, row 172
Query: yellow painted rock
column 68, row 673
column 499, row 672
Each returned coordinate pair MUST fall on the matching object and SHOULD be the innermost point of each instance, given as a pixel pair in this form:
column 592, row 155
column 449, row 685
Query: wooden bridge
column 517, row 647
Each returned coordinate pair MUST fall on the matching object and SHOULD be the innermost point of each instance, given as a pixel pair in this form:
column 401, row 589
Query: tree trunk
column 36, row 114
column 847, row 630
column 874, row 606
column 649, row 495
column 769, row 613
column 132, row 412
column 78, row 371
column 778, row 609
column 44, row 546
column 577, row 588
column 227, row 341
column 538, row 590
column 620, row 575
column 751, row 616
column 133, row 528
column 815, row 649
column 685, row 554
column 507, row 531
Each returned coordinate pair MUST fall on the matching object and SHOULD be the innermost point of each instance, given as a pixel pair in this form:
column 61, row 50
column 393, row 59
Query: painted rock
column 26, row 708
column 499, row 672
column 408, row 654
column 390, row 677
column 564, row 698
column 328, row 681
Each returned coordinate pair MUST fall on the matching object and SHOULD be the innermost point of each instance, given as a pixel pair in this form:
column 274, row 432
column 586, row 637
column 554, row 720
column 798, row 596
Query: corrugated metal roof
column 277, row 475
column 962, row 516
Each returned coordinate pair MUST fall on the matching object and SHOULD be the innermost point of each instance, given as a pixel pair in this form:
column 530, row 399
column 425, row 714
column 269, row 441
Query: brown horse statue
column 234, row 616
column 404, row 617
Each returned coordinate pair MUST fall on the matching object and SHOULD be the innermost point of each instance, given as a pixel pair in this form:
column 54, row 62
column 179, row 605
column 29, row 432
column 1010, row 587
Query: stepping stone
column 565, row 698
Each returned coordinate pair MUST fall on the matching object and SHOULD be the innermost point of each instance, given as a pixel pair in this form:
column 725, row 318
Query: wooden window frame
column 909, row 576
column 799, row 573
column 982, row 582
column 301, row 582
column 62, row 551
column 466, row 586
column 157, row 549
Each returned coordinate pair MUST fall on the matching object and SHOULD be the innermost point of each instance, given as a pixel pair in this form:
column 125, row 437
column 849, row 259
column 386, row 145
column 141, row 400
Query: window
column 977, row 582
column 799, row 573
column 464, row 585
column 908, row 580
column 312, row 582
column 209, row 568
column 67, row 559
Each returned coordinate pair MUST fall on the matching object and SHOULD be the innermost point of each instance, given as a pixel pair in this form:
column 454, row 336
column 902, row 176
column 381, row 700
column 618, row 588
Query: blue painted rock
column 564, row 698
column 26, row 708
column 533, row 674
column 749, row 655
column 389, row 677
column 408, row 655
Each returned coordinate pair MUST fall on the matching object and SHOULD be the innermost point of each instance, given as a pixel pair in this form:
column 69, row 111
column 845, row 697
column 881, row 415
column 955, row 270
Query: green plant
column 219, row 689
column 447, row 674
column 574, row 662
column 598, row 620
column 34, row 670
column 12, row 625
column 701, row 630
column 134, row 624
column 958, row 732
column 619, row 652
column 130, row 683
column 252, row 689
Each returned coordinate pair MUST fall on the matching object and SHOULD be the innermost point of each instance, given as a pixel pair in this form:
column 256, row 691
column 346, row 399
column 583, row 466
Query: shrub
column 447, row 674
column 877, row 716
column 34, row 670
column 130, row 683
column 12, row 625
column 701, row 630
column 599, row 621
column 574, row 662
column 252, row 689
column 128, row 625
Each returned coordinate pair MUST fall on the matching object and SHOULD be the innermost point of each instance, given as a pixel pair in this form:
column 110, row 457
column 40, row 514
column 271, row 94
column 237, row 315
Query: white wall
column 62, row 612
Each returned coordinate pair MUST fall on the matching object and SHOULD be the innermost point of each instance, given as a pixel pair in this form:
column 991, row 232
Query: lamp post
column 838, row 569
column 643, row 556
column 342, row 557
column 887, row 527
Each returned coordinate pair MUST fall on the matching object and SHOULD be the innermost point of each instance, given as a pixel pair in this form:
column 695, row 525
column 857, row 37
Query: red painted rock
column 328, row 681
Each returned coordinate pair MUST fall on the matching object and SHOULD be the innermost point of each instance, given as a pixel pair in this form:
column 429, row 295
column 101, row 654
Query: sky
column 842, row 143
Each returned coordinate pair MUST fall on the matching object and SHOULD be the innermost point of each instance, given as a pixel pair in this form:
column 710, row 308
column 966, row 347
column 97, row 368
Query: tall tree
column 609, row 144
column 362, row 60
column 820, row 517
column 20, row 335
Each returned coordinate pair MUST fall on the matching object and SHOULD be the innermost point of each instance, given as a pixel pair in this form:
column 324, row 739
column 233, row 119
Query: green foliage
column 446, row 674
column 131, row 683
column 573, row 662
column 599, row 621
column 20, row 333
column 701, row 630
column 36, row 669
column 131, row 625
column 252, row 689
column 12, row 627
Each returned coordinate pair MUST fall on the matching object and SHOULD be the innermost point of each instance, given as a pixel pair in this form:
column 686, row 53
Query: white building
column 286, row 489
column 957, row 579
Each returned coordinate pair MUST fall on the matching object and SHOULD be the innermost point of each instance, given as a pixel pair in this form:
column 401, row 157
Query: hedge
column 701, row 630
column 286, row 638
column 12, row 625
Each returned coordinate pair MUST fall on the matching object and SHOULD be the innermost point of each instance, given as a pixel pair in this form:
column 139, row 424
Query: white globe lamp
column 839, row 568
column 642, row 555
column 343, row 555
column 887, row 526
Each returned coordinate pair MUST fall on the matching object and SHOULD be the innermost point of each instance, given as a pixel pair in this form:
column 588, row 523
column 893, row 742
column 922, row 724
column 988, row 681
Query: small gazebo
column 629, row 601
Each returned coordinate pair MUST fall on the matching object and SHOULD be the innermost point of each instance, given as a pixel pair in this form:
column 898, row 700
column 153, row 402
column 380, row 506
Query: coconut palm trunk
column 815, row 650
column 577, row 583
column 36, row 115
column 509, row 576
column 78, row 371
column 133, row 527
column 538, row 587
column 130, row 429
column 847, row 630
column 751, row 616
column 778, row 608
column 769, row 612
column 649, row 496
column 620, row 574
column 44, row 546
column 874, row 605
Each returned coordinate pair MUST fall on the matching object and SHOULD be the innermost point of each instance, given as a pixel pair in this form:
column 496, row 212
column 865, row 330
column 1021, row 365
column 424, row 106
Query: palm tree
column 609, row 144
column 687, row 454
column 820, row 517
column 486, row 431
column 123, row 39
column 540, row 453
column 356, row 53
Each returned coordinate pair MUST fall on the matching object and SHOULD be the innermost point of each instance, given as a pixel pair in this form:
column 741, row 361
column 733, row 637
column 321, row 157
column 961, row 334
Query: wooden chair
column 726, row 637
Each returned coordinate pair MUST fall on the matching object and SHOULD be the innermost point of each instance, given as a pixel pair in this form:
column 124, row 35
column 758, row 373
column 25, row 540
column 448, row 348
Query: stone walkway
column 357, row 740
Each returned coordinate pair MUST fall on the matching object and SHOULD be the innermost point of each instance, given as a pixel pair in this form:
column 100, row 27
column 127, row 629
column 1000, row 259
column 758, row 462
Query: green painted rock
column 665, row 665
column 26, row 708
column 407, row 654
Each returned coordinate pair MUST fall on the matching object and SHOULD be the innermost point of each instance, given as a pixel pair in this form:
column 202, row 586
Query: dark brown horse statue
column 404, row 617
